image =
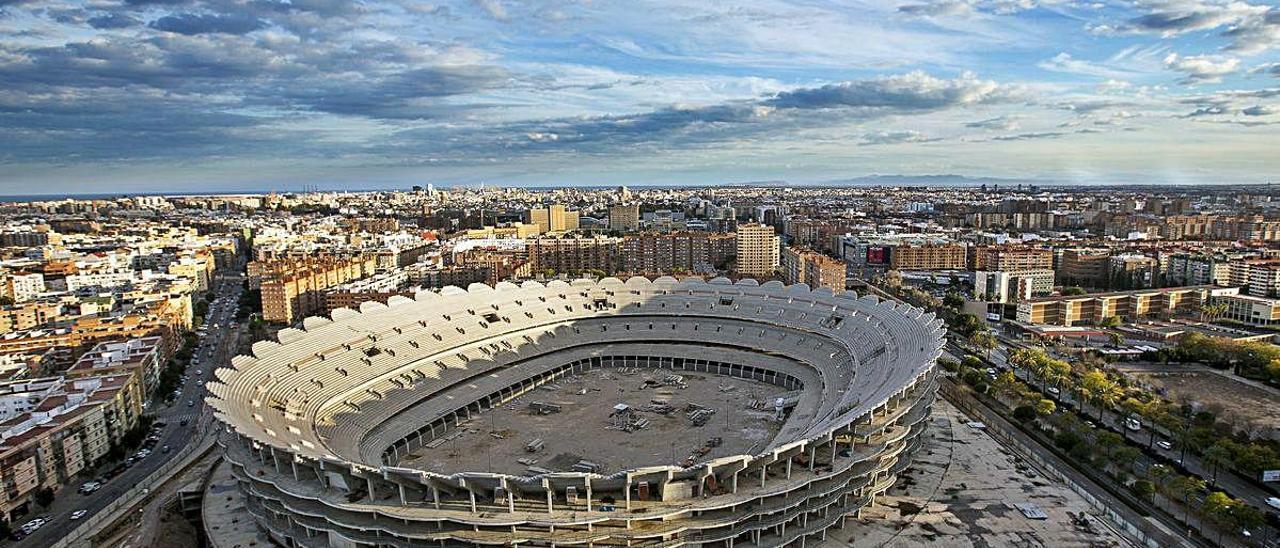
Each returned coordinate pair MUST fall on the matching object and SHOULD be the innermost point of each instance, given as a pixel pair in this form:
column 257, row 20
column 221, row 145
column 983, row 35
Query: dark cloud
column 1259, row 110
column 411, row 94
column 911, row 91
column 191, row 23
column 112, row 20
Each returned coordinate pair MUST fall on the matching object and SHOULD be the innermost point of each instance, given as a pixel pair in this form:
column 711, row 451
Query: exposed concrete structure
column 320, row 426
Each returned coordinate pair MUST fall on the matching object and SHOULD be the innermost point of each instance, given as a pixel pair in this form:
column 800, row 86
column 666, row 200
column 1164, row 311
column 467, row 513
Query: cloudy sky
column 153, row 95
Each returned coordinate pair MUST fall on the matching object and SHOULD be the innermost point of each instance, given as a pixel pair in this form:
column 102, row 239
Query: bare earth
column 1251, row 409
column 585, row 429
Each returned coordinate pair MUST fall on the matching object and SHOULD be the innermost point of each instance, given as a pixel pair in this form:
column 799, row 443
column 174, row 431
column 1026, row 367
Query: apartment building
column 666, row 252
column 29, row 315
column 553, row 218
column 758, row 250
column 1187, row 227
column 293, row 290
column 1248, row 309
column 564, row 254
column 142, row 356
column 624, row 217
column 927, row 257
column 1087, row 267
column 1092, row 309
column 1133, row 271
column 1008, row 287
column 1264, row 278
column 24, row 286
column 803, row 265
column 1012, row 258
column 1198, row 269
column 56, row 428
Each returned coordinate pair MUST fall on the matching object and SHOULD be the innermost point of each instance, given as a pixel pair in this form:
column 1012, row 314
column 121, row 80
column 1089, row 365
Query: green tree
column 1112, row 322
column 1045, row 407
column 1024, row 413
column 953, row 299
column 1006, row 384
column 984, row 340
column 1182, row 488
column 1144, row 489
column 1217, row 456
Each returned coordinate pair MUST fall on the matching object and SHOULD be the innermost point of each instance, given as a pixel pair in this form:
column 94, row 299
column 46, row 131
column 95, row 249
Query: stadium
column 638, row 413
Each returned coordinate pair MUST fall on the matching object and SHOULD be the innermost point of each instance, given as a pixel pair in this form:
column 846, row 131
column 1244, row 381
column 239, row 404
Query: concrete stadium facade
column 315, row 425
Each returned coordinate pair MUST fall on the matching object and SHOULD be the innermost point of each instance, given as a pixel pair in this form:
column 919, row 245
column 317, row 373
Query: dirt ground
column 588, row 427
column 1252, row 409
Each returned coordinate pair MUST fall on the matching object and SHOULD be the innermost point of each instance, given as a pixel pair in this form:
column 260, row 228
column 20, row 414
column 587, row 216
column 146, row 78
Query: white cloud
column 1202, row 69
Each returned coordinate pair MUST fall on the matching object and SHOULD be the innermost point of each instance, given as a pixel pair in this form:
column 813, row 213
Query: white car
column 1273, row 502
column 78, row 514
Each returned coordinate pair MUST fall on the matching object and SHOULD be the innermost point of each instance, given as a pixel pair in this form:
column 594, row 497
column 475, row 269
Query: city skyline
column 221, row 95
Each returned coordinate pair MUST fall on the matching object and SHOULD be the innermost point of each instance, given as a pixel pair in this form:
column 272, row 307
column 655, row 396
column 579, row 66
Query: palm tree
column 1216, row 456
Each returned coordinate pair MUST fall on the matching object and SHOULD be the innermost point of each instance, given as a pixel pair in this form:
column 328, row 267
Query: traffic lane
column 173, row 434
column 1227, row 481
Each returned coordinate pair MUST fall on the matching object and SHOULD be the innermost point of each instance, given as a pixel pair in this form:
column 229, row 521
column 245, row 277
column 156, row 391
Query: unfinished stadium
column 638, row 413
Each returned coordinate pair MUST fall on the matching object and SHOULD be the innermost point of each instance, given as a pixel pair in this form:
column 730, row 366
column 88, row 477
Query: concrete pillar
column 788, row 467
column 813, row 455
column 626, row 489
column 763, row 469
column 435, row 496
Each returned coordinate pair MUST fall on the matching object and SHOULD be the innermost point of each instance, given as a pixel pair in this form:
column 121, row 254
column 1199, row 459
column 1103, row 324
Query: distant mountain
column 926, row 180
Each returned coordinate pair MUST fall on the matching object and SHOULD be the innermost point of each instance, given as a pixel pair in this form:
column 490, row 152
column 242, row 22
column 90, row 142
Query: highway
column 216, row 346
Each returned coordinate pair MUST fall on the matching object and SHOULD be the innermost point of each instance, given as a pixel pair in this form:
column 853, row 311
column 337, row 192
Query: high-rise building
column 624, row 217
column 927, row 257
column 757, row 250
column 801, row 265
column 1087, row 267
column 553, row 218
column 293, row 291
column 572, row 254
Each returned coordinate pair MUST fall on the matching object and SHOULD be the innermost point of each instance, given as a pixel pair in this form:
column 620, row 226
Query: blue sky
column 154, row 95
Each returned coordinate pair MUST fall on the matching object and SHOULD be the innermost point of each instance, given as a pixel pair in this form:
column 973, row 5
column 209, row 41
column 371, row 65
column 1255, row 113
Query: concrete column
column 813, row 455
column 435, row 496
column 789, row 467
column 763, row 469
column 626, row 489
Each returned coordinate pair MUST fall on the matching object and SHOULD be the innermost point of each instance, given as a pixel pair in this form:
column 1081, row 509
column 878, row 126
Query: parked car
column 1164, row 444
column 1132, row 423
column 1273, row 502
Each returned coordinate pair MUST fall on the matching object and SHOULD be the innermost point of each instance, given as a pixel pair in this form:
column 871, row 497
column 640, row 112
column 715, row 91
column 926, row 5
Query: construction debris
column 541, row 408
column 697, row 414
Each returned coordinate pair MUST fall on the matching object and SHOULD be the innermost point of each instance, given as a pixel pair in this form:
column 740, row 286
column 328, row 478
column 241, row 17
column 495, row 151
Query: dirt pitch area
column 1247, row 405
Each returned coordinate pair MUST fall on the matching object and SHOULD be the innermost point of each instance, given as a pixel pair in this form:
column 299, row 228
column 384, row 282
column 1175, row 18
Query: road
column 1147, row 438
column 216, row 346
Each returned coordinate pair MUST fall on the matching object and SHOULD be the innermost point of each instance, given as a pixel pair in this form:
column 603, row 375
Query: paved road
column 1148, row 438
column 217, row 346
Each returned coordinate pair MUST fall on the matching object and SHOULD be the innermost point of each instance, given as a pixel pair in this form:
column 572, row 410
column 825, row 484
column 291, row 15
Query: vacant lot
column 1250, row 408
